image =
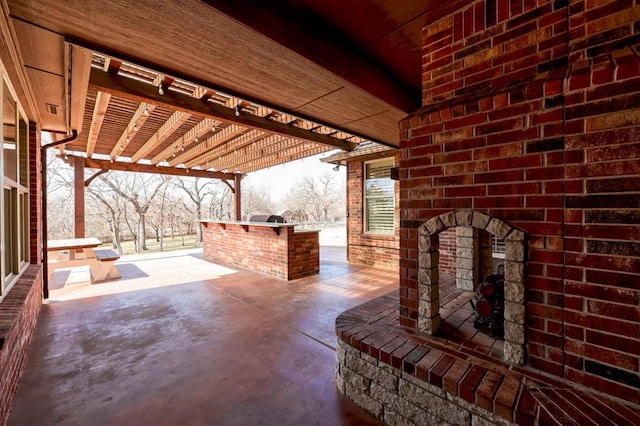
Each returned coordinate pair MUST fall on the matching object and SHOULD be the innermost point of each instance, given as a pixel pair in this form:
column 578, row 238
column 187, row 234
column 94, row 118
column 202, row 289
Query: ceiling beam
column 142, row 92
column 176, row 120
column 136, row 122
column 313, row 38
column 92, row 163
column 99, row 111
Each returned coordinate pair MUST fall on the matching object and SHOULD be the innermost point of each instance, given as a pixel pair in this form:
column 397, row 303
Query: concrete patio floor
column 182, row 341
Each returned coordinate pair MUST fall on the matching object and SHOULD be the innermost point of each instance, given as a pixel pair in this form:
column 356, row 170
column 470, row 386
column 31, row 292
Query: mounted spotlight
column 160, row 89
column 336, row 168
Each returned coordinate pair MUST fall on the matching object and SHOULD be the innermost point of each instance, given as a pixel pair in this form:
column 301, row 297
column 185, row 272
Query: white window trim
column 6, row 283
column 365, row 215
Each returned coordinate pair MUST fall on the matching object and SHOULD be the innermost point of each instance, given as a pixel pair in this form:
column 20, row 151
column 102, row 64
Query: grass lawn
column 153, row 246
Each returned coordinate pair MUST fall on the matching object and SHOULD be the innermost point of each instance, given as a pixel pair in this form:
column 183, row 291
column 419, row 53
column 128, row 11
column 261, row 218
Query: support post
column 78, row 185
column 237, row 196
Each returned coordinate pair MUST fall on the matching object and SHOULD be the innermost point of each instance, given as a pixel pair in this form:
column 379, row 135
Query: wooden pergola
column 140, row 120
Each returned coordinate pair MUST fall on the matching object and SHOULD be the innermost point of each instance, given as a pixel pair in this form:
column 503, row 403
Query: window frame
column 15, row 196
column 390, row 162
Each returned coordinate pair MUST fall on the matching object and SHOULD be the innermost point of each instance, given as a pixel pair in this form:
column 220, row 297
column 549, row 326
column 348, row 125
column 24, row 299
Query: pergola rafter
column 134, row 125
column 99, row 112
column 176, row 120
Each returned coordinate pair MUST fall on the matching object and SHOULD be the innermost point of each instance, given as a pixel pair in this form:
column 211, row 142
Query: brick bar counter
column 269, row 248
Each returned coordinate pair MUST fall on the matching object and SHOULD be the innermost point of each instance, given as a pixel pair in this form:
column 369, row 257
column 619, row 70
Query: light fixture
column 160, row 89
column 213, row 128
column 127, row 139
column 195, row 140
column 336, row 168
column 146, row 111
column 135, row 127
column 237, row 108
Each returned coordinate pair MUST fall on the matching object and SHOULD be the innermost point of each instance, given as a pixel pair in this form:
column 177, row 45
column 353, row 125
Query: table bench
column 104, row 267
column 82, row 252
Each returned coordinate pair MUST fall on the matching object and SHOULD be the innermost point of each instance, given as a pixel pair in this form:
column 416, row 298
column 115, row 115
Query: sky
column 281, row 178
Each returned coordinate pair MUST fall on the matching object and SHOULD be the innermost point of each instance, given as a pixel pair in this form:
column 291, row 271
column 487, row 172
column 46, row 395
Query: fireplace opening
column 471, row 282
column 471, row 270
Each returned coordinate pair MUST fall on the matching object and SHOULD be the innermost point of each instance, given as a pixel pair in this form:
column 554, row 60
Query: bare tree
column 315, row 197
column 256, row 200
column 221, row 204
column 197, row 190
column 112, row 208
column 140, row 192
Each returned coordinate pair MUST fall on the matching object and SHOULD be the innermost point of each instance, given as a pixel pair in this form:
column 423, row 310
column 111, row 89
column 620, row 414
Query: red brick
column 470, row 383
column 487, row 389
column 454, row 376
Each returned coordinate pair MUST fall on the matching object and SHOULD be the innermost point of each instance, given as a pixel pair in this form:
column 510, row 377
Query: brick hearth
column 404, row 377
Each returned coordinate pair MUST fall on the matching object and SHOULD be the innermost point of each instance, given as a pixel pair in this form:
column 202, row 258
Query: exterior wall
column 531, row 115
column 20, row 307
column 365, row 249
column 18, row 316
column 288, row 255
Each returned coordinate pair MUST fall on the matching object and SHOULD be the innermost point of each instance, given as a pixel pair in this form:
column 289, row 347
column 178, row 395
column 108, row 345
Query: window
column 498, row 247
column 14, row 202
column 379, row 197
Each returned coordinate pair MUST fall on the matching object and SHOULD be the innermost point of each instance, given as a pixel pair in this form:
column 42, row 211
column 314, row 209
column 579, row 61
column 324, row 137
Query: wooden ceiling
column 247, row 85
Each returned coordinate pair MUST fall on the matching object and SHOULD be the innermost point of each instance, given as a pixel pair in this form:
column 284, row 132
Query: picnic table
column 82, row 251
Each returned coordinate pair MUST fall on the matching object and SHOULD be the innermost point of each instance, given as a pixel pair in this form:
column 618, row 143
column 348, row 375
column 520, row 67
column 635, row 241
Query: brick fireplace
column 468, row 253
column 529, row 132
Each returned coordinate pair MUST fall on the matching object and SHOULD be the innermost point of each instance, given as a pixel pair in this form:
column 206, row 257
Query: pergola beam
column 143, row 92
column 176, row 120
column 136, row 122
column 92, row 163
column 99, row 111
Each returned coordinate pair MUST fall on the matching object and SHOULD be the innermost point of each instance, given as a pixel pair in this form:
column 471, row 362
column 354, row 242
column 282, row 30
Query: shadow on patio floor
column 179, row 340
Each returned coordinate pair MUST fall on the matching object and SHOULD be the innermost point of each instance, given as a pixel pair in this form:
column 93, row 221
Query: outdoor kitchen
column 264, row 244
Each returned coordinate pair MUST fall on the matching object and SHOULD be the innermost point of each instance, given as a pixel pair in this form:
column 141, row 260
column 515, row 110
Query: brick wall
column 366, row 249
column 18, row 316
column 35, row 197
column 288, row 255
column 304, row 254
column 531, row 115
column 448, row 251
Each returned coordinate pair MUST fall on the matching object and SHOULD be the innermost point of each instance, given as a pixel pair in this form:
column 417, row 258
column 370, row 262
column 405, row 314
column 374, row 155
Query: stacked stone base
column 399, row 398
